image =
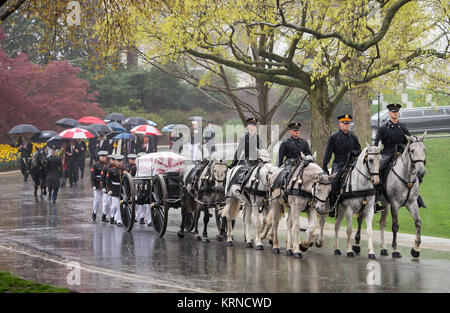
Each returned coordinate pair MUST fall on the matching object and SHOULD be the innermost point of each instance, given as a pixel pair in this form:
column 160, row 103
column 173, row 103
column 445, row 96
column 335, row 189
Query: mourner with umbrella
column 24, row 146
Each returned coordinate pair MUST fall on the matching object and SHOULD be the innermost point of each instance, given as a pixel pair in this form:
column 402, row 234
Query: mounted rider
column 392, row 136
column 291, row 148
column 345, row 146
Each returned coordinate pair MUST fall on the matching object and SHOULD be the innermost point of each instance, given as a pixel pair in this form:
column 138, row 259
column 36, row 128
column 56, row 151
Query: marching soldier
column 392, row 136
column 345, row 146
column 292, row 147
column 96, row 180
column 54, row 174
column 106, row 198
column 246, row 152
column 131, row 166
column 113, row 179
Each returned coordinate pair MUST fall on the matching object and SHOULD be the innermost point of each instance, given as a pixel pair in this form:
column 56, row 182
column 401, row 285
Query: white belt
column 114, row 183
column 98, row 176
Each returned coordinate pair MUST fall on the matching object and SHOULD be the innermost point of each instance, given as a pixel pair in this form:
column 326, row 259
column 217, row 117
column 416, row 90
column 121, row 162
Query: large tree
column 311, row 45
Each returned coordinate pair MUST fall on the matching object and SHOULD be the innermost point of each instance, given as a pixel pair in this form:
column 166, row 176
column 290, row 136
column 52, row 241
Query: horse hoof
column 350, row 254
column 198, row 238
column 298, row 255
column 219, row 238
column 384, row 252
column 372, row 256
column 396, row 255
column 337, row 252
column 271, row 242
column 319, row 244
column 356, row 249
column 303, row 249
column 414, row 253
column 249, row 245
column 205, row 240
column 276, row 251
column 181, row 234
column 289, row 252
column 229, row 243
column 259, row 247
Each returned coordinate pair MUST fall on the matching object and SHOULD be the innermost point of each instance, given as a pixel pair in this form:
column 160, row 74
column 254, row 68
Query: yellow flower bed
column 9, row 155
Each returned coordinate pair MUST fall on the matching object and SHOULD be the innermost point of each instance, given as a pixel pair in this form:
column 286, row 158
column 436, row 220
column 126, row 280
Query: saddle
column 286, row 174
column 253, row 188
column 389, row 163
column 294, row 184
column 195, row 173
column 241, row 176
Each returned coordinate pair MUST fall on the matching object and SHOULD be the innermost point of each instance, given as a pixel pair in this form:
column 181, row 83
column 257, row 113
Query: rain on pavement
column 39, row 241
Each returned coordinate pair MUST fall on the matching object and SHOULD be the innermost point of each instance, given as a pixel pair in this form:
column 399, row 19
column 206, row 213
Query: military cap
column 141, row 154
column 295, row 126
column 102, row 153
column 118, row 157
column 111, row 156
column 345, row 118
column 251, row 120
column 131, row 156
column 394, row 107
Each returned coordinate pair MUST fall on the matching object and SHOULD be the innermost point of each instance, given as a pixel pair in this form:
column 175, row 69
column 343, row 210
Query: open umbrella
column 23, row 129
column 171, row 127
column 91, row 130
column 101, row 128
column 151, row 123
column 118, row 117
column 124, row 136
column 67, row 122
column 44, row 135
column 76, row 133
column 135, row 121
column 197, row 118
column 55, row 141
column 116, row 127
column 145, row 130
column 91, row 120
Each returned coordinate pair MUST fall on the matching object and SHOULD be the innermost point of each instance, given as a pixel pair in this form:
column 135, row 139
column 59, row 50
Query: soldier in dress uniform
column 106, row 198
column 246, row 152
column 131, row 166
column 54, row 174
column 291, row 148
column 392, row 136
column 345, row 146
column 113, row 179
column 25, row 149
column 96, row 180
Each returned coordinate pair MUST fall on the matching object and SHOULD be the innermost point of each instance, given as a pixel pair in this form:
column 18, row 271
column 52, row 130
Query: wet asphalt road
column 38, row 241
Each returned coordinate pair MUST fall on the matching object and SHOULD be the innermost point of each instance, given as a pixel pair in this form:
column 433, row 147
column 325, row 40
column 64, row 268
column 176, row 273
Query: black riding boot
column 333, row 199
column 420, row 202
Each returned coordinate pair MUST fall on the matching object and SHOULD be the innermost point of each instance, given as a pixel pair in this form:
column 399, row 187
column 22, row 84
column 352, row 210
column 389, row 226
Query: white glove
column 110, row 193
column 104, row 190
column 93, row 188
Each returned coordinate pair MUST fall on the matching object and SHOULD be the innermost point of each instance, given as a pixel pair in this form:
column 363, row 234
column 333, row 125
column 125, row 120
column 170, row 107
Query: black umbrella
column 91, row 130
column 118, row 117
column 135, row 121
column 55, row 142
column 100, row 128
column 44, row 135
column 23, row 129
column 197, row 118
column 67, row 122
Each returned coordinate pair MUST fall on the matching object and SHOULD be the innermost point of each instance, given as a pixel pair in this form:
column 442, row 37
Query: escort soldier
column 106, row 198
column 54, row 174
column 345, row 146
column 142, row 209
column 246, row 152
column 113, row 179
column 131, row 166
column 292, row 147
column 392, row 136
column 96, row 180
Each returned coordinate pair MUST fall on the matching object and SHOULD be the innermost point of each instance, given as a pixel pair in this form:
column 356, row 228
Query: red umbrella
column 76, row 133
column 91, row 120
column 145, row 130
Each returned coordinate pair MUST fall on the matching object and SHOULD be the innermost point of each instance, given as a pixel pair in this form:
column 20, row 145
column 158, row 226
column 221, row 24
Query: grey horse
column 359, row 198
column 402, row 190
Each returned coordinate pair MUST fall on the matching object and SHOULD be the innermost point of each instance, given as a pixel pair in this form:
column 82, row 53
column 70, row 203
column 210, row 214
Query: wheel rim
column 159, row 210
column 127, row 205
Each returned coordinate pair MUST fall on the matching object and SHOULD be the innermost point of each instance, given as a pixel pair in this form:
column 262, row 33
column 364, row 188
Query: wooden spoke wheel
column 127, row 202
column 158, row 205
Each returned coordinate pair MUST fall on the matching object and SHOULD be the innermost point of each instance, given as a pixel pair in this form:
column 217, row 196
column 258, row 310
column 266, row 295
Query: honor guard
column 345, row 146
column 54, row 173
column 96, row 181
column 113, row 179
column 291, row 148
column 106, row 198
column 246, row 152
column 131, row 166
column 392, row 136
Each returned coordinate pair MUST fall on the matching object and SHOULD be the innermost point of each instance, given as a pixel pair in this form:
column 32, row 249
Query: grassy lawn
column 12, row 284
column 435, row 191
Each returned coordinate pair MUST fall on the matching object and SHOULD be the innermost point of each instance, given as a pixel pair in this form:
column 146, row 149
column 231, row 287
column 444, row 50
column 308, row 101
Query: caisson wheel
column 158, row 205
column 127, row 202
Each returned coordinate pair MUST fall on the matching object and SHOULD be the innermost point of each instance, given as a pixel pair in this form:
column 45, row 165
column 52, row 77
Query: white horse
column 307, row 190
column 359, row 197
column 402, row 190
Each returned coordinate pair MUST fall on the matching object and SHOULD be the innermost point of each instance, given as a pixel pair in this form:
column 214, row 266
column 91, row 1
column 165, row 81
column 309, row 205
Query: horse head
column 371, row 159
column 320, row 190
column 416, row 151
column 219, row 171
column 309, row 158
column 40, row 159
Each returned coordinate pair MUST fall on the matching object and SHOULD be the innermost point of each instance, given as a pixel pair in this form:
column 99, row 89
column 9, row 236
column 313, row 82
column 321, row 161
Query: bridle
column 366, row 163
column 213, row 172
column 413, row 162
column 315, row 183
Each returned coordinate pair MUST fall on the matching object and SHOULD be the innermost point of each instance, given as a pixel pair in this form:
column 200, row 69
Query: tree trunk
column 361, row 114
column 321, row 113
column 263, row 108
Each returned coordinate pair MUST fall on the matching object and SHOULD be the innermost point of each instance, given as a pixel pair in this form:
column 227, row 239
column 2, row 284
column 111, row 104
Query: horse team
column 265, row 200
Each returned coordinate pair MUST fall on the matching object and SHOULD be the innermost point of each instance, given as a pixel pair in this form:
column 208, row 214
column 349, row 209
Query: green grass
column 13, row 284
column 435, row 192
